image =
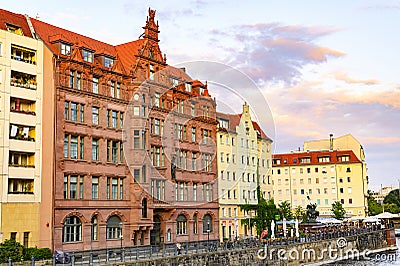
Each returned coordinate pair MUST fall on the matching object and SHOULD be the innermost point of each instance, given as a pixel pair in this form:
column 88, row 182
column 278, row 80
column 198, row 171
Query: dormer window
column 14, row 29
column 151, row 54
column 87, row 56
column 201, row 90
column 65, row 49
column 108, row 62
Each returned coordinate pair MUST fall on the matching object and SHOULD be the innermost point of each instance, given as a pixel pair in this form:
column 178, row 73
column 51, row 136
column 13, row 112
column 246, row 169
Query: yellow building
column 241, row 146
column 21, row 94
column 326, row 171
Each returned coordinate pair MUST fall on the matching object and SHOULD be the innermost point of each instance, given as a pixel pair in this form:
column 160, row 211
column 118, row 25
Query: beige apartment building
column 326, row 171
column 21, row 97
column 242, row 150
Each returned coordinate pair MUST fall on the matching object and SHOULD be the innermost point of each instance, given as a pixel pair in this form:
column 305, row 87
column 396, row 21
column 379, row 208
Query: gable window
column 87, row 56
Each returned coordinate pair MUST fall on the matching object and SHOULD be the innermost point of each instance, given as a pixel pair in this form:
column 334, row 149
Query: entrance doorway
column 156, row 232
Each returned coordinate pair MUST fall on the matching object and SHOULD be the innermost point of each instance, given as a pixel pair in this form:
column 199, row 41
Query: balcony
column 19, row 79
column 22, row 106
column 20, row 186
column 20, row 132
column 21, row 159
column 23, row 54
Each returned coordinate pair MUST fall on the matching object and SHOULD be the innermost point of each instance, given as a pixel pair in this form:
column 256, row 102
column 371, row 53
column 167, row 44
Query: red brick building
column 102, row 91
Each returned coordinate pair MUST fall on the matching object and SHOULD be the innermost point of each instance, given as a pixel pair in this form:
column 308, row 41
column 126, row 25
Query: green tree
column 374, row 207
column 300, row 214
column 10, row 249
column 285, row 210
column 391, row 207
column 393, row 198
column 338, row 210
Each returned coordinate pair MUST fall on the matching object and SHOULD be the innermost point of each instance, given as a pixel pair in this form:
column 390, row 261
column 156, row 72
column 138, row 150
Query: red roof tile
column 7, row 17
column 49, row 33
column 292, row 159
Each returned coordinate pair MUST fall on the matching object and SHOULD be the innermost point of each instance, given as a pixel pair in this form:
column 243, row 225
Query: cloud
column 272, row 52
column 340, row 75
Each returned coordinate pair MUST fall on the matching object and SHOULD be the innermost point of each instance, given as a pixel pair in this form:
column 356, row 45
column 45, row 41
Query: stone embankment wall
column 309, row 253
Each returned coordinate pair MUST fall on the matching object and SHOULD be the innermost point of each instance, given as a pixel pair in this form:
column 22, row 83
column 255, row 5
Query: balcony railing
column 23, row 55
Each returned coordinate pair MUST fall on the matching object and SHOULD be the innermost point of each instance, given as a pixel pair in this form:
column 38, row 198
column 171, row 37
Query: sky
column 321, row 67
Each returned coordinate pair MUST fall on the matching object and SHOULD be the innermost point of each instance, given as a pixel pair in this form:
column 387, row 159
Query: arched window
column 114, row 227
column 195, row 227
column 72, row 231
column 207, row 223
column 95, row 228
column 169, row 235
column 181, row 225
column 144, row 208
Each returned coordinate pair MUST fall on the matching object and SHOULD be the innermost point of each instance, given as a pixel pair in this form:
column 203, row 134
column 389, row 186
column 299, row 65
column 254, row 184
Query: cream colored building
column 241, row 145
column 21, row 94
column 326, row 171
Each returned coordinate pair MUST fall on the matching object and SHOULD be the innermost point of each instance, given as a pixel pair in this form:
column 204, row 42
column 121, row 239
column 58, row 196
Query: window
column 26, row 239
column 325, row 159
column 95, row 228
column 74, row 111
column 71, row 78
column 194, row 192
column 151, row 72
column 193, row 134
column 108, row 62
column 349, row 190
column 113, row 185
column 157, row 99
column 95, row 115
column 87, row 56
column 65, row 49
column 158, row 189
column 71, row 186
column 95, row 187
column 181, row 225
column 78, row 80
column 302, row 192
column 341, row 190
column 71, row 144
column 72, row 230
column 207, row 224
column 114, row 227
column 95, row 149
column 348, row 179
column 95, row 85
column 350, row 201
column 144, row 208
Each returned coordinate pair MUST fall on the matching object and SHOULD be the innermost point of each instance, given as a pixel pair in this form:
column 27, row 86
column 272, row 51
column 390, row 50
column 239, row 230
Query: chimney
column 331, row 142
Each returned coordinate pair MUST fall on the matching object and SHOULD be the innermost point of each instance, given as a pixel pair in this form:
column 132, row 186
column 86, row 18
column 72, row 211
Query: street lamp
column 121, row 237
column 208, row 235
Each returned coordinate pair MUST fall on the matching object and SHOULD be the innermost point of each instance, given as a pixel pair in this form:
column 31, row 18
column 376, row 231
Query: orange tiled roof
column 127, row 51
column 291, row 159
column 50, row 33
column 7, row 17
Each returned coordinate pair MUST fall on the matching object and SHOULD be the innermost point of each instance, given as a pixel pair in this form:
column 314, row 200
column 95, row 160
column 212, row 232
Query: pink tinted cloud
column 340, row 75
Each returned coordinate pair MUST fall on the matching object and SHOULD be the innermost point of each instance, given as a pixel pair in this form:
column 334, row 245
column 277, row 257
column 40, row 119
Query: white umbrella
column 284, row 226
column 273, row 229
column 296, row 224
column 385, row 215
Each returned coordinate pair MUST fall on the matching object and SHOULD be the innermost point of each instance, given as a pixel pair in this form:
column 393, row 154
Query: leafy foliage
column 374, row 207
column 285, row 210
column 265, row 211
column 10, row 249
column 37, row 253
column 392, row 208
column 14, row 250
column 300, row 214
column 393, row 198
column 338, row 210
